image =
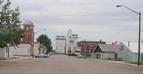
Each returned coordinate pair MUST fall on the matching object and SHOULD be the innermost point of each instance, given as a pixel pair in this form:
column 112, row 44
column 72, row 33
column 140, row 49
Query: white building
column 60, row 44
column 7, row 53
column 22, row 50
column 129, row 52
column 66, row 45
column 105, row 51
column 36, row 48
column 71, row 42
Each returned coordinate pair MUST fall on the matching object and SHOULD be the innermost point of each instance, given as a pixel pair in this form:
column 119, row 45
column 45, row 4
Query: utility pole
column 139, row 38
column 139, row 35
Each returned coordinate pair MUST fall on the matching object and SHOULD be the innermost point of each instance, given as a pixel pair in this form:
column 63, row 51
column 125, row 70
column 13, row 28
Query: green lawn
column 136, row 63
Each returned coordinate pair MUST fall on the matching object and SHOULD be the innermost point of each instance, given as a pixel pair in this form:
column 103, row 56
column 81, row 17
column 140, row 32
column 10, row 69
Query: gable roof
column 133, row 46
column 108, row 47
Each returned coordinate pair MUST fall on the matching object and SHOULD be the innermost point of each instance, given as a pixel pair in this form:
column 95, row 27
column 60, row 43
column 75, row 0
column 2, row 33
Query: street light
column 139, row 36
column 39, row 31
column 34, row 39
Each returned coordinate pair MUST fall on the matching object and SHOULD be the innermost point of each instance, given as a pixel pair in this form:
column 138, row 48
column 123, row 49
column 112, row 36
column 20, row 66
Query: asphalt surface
column 61, row 64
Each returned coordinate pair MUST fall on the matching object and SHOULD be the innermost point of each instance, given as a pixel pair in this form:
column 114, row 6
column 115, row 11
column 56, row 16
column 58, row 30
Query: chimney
column 100, row 40
column 128, row 43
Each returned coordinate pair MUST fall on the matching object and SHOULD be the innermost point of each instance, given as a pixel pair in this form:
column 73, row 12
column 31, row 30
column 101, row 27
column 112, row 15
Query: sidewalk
column 13, row 60
column 123, row 62
column 117, row 62
column 120, row 62
column 17, row 58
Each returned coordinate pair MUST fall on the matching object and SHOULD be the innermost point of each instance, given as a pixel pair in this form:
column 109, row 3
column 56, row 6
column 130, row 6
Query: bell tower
column 28, row 36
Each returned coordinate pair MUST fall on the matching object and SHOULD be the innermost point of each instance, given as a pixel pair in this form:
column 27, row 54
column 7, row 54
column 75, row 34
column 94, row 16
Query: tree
column 79, row 44
column 1, row 1
column 10, row 30
column 43, row 39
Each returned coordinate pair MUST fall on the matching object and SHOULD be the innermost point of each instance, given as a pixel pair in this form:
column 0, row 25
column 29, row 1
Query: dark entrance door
column 116, row 56
column 141, row 57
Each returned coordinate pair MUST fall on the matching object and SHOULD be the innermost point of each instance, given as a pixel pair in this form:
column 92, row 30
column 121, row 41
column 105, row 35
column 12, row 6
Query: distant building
column 77, row 51
column 36, row 48
column 26, row 48
column 129, row 52
column 67, row 44
column 71, row 42
column 105, row 51
column 7, row 53
column 88, row 46
column 124, row 51
column 28, row 36
column 60, row 44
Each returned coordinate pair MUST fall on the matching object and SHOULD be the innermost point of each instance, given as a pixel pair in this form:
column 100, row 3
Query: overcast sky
column 90, row 19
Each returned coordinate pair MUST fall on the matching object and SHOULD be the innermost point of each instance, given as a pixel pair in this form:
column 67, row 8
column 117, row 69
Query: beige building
column 36, row 48
column 71, row 42
column 60, row 44
column 5, row 53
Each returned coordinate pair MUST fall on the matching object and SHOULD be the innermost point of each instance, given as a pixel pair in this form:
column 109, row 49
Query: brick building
column 88, row 46
column 28, row 36
column 26, row 46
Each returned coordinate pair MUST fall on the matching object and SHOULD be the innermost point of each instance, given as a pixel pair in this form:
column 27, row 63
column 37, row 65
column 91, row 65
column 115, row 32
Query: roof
column 60, row 38
column 108, row 47
column 133, row 46
column 93, row 42
column 75, row 35
column 28, row 23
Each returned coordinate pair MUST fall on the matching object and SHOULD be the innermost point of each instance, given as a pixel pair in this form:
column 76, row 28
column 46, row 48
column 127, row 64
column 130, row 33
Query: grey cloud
column 84, row 12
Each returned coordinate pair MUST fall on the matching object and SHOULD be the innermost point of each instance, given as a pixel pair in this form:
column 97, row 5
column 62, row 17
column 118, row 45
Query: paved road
column 61, row 64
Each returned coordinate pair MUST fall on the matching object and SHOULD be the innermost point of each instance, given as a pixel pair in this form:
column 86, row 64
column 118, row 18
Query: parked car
column 51, row 53
column 77, row 54
column 41, row 55
column 72, row 54
column 81, row 56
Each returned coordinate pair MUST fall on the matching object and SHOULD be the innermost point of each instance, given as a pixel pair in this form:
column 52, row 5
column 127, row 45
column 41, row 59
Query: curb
column 123, row 62
column 119, row 62
column 17, row 58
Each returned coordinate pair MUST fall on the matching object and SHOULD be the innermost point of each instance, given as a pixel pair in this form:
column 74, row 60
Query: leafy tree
column 10, row 30
column 43, row 39
column 79, row 44
column 1, row 1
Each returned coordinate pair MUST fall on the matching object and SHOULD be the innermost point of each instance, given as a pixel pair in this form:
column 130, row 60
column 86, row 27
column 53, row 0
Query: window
column 28, row 28
column 27, row 37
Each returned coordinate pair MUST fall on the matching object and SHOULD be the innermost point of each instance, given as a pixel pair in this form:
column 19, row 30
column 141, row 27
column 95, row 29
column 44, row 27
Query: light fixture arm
column 128, row 9
column 132, row 10
column 139, row 39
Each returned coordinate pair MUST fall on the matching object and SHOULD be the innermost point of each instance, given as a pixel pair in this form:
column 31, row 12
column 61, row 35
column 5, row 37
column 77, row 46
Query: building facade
column 129, row 52
column 26, row 47
column 60, row 44
column 105, row 51
column 7, row 53
column 66, row 44
column 88, row 46
column 71, row 42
